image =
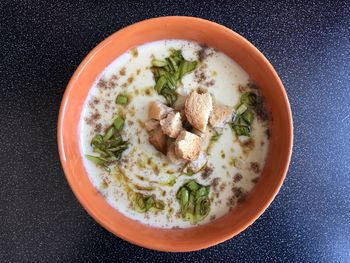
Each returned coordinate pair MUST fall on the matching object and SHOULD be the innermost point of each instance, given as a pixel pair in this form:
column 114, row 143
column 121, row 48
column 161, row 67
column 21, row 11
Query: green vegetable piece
column 248, row 98
column 121, row 99
column 189, row 172
column 159, row 205
column 248, row 117
column 177, row 56
column 140, row 203
column 194, row 201
column 118, row 123
column 159, row 63
column 119, row 148
column 187, row 67
column 149, row 201
column 160, row 84
column 115, row 141
column 215, row 137
column 172, row 63
column 162, row 72
column 241, row 109
column 108, row 134
column 191, row 204
column 184, row 198
column 202, row 207
column 170, row 96
column 203, row 191
column 192, row 185
column 98, row 150
column 171, row 182
column 241, row 130
column 97, row 140
column 96, row 160
column 171, row 81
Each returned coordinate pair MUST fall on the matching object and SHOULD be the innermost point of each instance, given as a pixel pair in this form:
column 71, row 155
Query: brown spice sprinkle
column 98, row 128
column 255, row 167
column 248, row 145
column 114, row 77
column 204, row 52
column 130, row 79
column 212, row 217
column 210, row 83
column 95, row 116
column 260, row 109
column 231, row 202
column 238, row 177
column 255, row 180
column 222, row 187
column 93, row 102
column 207, row 172
column 102, row 84
column 239, row 193
column 134, row 52
column 122, row 71
column 215, row 183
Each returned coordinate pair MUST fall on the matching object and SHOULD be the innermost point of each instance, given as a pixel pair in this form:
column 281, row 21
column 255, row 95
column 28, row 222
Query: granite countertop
column 43, row 42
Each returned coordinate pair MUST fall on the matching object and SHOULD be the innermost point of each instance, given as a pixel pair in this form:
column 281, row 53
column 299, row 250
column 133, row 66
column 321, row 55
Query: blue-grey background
column 42, row 43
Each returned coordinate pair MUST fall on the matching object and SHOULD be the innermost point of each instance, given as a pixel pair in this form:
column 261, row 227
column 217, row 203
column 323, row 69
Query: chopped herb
column 248, row 98
column 189, row 172
column 248, row 117
column 241, row 130
column 118, row 123
column 215, row 137
column 241, row 109
column 244, row 116
column 194, row 201
column 143, row 203
column 121, row 99
column 159, row 63
column 109, row 146
column 168, row 74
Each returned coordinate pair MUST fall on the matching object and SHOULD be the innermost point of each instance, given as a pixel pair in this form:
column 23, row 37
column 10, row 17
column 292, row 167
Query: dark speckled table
column 42, row 43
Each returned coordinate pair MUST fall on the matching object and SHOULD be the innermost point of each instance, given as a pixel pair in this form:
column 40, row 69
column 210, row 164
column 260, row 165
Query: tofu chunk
column 188, row 146
column 220, row 115
column 171, row 125
column 198, row 107
column 158, row 139
column 172, row 155
column 150, row 125
column 158, row 110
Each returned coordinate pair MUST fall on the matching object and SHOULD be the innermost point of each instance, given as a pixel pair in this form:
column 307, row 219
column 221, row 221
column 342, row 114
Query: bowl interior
column 243, row 53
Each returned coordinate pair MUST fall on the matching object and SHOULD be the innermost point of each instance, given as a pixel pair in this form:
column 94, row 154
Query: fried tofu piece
column 150, row 125
column 220, row 115
column 159, row 140
column 158, row 110
column 198, row 107
column 173, row 158
column 171, row 125
column 188, row 146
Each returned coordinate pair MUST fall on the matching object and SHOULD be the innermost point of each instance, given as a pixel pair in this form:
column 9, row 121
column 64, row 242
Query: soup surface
column 233, row 162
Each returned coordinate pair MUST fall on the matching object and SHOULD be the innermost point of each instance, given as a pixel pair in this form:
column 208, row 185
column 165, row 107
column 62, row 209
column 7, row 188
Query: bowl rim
column 70, row 86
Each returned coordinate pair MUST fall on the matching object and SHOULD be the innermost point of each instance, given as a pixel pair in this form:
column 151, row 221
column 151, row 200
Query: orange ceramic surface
column 252, row 61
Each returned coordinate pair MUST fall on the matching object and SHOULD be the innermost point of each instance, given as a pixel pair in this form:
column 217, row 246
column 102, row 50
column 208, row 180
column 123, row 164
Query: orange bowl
column 250, row 59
